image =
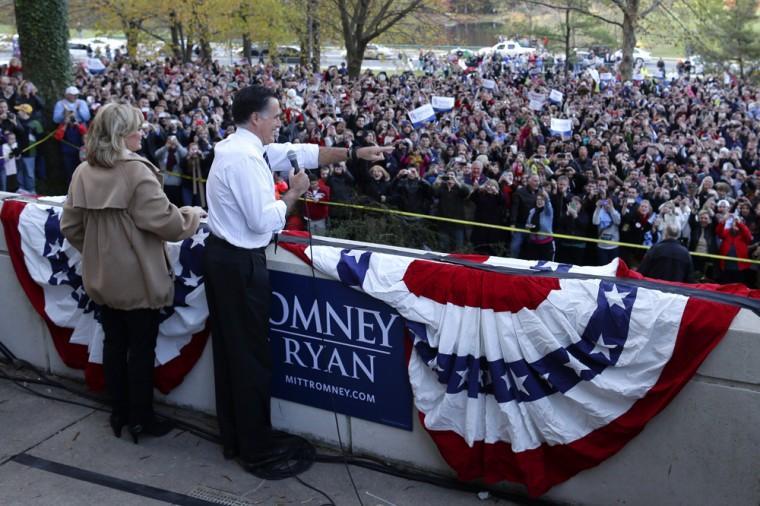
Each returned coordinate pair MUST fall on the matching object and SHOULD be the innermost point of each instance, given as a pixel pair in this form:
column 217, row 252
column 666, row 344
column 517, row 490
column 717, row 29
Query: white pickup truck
column 507, row 48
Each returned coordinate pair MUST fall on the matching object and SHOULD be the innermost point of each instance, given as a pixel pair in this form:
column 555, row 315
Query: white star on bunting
column 199, row 238
column 357, row 254
column 615, row 298
column 55, row 248
column 191, row 280
column 60, row 277
column 520, row 383
column 463, row 375
column 601, row 347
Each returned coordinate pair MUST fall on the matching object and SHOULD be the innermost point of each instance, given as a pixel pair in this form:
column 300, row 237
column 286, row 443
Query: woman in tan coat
column 118, row 217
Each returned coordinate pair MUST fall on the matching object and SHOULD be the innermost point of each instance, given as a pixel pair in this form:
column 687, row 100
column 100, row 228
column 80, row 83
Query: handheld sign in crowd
column 422, row 115
column 338, row 349
column 606, row 76
column 561, row 127
column 537, row 100
column 442, row 104
column 556, row 96
column 489, row 84
column 594, row 75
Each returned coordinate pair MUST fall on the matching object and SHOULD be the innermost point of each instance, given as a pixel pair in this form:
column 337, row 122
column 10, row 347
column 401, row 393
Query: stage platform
column 702, row 449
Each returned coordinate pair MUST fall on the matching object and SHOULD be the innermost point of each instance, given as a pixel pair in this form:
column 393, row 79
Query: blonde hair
column 105, row 137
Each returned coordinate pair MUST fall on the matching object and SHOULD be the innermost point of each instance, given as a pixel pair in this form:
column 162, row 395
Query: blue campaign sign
column 338, row 349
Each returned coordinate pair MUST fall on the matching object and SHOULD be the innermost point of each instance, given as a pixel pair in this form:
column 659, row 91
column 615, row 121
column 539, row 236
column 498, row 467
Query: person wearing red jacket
column 735, row 240
column 316, row 210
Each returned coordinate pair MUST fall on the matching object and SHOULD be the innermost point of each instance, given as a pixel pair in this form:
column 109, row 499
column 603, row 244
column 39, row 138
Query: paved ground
column 53, row 453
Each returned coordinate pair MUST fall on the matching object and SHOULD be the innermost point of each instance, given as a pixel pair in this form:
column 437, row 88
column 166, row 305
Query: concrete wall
column 703, row 449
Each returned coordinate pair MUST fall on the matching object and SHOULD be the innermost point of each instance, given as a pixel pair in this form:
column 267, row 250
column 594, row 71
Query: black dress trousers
column 129, row 353
column 238, row 296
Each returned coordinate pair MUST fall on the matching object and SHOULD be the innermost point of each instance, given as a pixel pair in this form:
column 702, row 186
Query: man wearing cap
column 71, row 105
column 72, row 115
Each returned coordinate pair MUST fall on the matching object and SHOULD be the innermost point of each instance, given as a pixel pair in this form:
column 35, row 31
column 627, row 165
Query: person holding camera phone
column 607, row 220
column 170, row 157
column 72, row 115
column 452, row 195
column 735, row 239
column 540, row 246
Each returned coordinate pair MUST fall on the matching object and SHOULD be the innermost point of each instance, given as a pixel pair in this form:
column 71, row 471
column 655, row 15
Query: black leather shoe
column 155, row 428
column 117, row 424
column 266, row 457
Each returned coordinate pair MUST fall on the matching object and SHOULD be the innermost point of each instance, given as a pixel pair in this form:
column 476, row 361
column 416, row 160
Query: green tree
column 724, row 33
column 43, row 37
column 573, row 26
column 626, row 15
column 127, row 16
column 362, row 21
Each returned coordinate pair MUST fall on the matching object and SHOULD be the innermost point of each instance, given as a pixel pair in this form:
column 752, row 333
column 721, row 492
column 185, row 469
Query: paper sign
column 561, row 127
column 536, row 105
column 556, row 96
column 421, row 115
column 489, row 84
column 443, row 103
column 606, row 76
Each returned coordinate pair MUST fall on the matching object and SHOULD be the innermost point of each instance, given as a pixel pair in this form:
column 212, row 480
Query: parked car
column 507, row 48
column 288, row 54
column 378, row 52
column 256, row 52
column 78, row 52
column 639, row 55
column 462, row 52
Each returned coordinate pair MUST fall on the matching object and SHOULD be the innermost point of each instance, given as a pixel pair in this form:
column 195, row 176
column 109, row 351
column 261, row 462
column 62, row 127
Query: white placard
column 443, row 103
column 561, row 126
column 422, row 115
column 556, row 96
column 536, row 105
column 606, row 76
column 489, row 84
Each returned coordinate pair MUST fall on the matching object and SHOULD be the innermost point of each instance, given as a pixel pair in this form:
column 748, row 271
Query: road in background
column 402, row 59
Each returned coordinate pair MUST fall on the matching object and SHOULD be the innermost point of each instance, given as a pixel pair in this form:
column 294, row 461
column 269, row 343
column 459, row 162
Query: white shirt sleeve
column 307, row 154
column 253, row 190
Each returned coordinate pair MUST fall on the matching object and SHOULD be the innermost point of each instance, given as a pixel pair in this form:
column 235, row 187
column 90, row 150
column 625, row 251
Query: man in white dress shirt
column 242, row 216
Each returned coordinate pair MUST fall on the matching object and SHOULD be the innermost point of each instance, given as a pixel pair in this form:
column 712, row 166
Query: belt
column 218, row 241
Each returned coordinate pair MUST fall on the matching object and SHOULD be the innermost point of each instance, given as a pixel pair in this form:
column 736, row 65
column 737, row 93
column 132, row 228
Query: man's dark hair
column 249, row 100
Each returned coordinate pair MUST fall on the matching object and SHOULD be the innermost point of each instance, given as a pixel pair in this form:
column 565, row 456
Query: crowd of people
column 642, row 158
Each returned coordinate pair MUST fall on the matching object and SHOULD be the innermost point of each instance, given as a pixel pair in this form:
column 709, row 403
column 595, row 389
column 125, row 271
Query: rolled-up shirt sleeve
column 253, row 192
column 307, row 154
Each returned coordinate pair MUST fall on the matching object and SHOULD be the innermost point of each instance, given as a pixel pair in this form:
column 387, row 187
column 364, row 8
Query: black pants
column 129, row 352
column 539, row 251
column 238, row 295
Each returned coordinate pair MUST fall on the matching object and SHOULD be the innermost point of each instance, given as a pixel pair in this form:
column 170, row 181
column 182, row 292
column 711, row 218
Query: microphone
column 293, row 159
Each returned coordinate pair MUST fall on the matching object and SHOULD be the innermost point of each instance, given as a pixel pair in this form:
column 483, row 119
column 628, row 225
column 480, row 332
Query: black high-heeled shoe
column 117, row 423
column 155, row 428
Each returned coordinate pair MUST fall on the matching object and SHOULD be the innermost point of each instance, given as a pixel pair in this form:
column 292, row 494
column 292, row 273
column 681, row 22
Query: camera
column 445, row 178
column 73, row 120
